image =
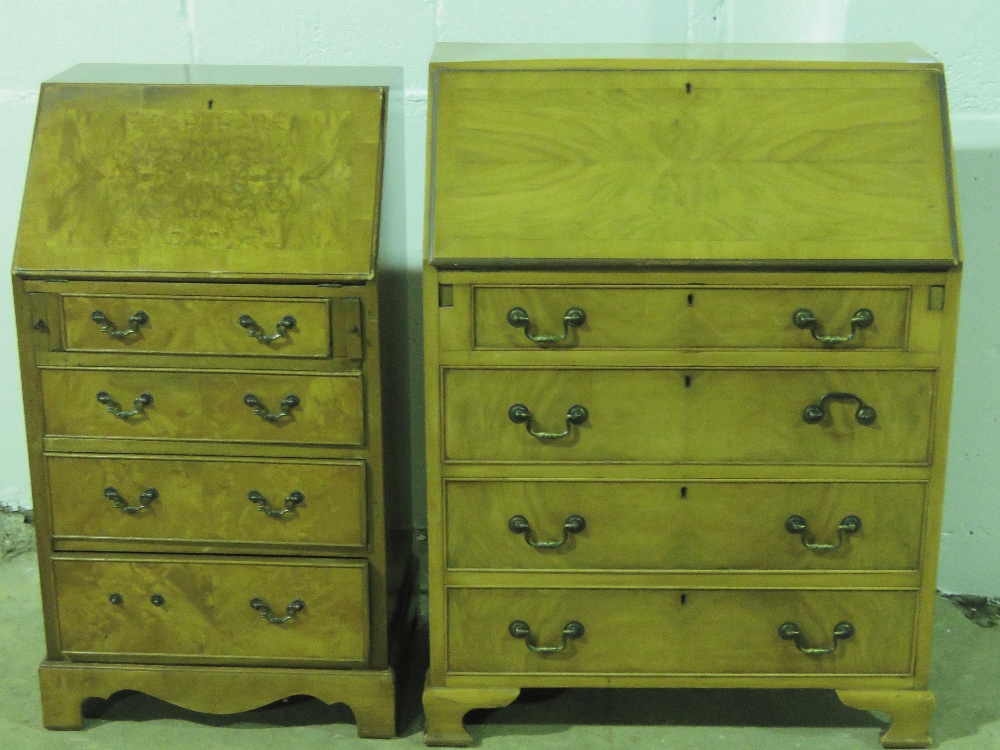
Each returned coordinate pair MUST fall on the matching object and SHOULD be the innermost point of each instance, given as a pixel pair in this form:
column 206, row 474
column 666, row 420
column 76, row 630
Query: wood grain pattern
column 689, row 317
column 565, row 165
column 689, row 526
column 202, row 504
column 749, row 416
column 654, row 308
column 206, row 614
column 261, row 183
column 370, row 694
column 910, row 712
column 798, row 118
column 622, row 186
column 193, row 405
column 187, row 325
column 445, row 707
column 147, row 197
column 700, row 632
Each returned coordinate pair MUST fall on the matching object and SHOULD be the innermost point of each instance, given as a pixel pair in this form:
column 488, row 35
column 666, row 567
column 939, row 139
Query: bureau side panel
column 385, row 564
column 436, row 556
column 935, row 488
column 28, row 338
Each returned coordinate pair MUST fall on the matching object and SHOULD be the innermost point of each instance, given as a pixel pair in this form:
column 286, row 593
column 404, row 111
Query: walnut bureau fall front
column 197, row 308
column 689, row 323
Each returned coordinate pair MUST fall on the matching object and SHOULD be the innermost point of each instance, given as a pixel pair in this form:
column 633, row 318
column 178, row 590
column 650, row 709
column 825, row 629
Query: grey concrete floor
column 965, row 678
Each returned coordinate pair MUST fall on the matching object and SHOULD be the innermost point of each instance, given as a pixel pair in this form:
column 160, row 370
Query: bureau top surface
column 198, row 175
column 837, row 156
column 452, row 54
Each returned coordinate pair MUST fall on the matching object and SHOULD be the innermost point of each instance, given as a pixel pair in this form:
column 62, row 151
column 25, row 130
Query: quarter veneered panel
column 654, row 525
column 689, row 317
column 204, row 405
column 679, row 631
column 687, row 167
column 205, row 612
column 191, row 181
column 199, row 503
column 198, row 325
column 668, row 415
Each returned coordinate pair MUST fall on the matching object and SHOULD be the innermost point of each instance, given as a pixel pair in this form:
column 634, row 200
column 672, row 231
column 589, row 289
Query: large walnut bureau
column 689, row 326
column 197, row 309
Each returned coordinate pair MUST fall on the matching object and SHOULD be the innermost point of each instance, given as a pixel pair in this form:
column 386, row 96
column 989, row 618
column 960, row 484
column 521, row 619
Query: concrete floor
column 965, row 678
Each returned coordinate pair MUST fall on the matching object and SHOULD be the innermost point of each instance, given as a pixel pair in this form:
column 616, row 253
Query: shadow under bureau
column 197, row 308
column 689, row 318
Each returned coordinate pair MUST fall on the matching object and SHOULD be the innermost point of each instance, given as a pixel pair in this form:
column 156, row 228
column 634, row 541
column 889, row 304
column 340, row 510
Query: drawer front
column 689, row 318
column 198, row 502
column 197, row 325
column 696, row 416
column 607, row 525
column 191, row 405
column 205, row 612
column 669, row 631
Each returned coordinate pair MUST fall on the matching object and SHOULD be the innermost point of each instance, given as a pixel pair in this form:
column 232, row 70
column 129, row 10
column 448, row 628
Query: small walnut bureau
column 690, row 317
column 197, row 310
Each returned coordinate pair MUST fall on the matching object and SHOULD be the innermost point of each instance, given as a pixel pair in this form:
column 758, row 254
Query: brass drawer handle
column 290, row 402
column 281, row 328
column 293, row 499
column 804, row 318
column 145, row 498
column 789, row 631
column 814, row 413
column 797, row 525
column 520, row 414
column 574, row 317
column 138, row 319
column 139, row 404
column 265, row 611
column 571, row 631
column 572, row 525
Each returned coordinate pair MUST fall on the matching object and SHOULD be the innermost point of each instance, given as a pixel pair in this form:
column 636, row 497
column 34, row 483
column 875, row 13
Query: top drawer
column 198, row 325
column 690, row 317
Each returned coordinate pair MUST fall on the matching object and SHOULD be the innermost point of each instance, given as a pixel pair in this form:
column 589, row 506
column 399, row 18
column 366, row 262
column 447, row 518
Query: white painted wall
column 43, row 37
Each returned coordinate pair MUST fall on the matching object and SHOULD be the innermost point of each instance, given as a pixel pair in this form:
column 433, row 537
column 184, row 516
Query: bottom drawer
column 198, row 610
column 668, row 631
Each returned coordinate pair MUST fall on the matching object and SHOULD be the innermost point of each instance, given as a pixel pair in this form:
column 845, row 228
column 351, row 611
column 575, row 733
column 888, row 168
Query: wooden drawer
column 688, row 317
column 668, row 631
column 199, row 405
column 205, row 614
column 201, row 503
column 197, row 325
column 687, row 415
column 681, row 525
